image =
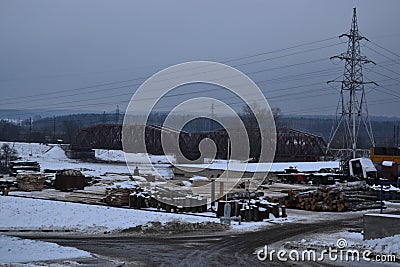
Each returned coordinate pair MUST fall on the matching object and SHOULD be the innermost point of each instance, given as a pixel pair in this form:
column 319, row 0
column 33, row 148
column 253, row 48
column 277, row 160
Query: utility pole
column 54, row 129
column 351, row 111
column 117, row 115
column 30, row 129
column 212, row 117
column 104, row 117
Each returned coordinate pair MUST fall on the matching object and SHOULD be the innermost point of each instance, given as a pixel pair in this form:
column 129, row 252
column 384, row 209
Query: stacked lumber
column 30, row 181
column 19, row 166
column 352, row 197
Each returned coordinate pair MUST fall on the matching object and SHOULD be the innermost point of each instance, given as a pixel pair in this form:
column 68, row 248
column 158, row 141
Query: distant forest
column 66, row 127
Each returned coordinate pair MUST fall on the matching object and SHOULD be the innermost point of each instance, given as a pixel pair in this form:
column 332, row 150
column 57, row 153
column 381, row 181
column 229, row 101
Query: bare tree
column 7, row 154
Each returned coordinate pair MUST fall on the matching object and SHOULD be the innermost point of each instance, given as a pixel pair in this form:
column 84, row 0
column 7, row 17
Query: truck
column 363, row 169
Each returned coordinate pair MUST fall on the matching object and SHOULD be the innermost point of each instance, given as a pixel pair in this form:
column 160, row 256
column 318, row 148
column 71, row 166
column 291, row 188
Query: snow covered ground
column 17, row 250
column 120, row 156
column 388, row 245
column 35, row 214
column 53, row 157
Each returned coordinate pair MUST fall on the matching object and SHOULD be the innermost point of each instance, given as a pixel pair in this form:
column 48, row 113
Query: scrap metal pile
column 130, row 194
column 188, row 203
column 250, row 210
column 118, row 196
column 350, row 197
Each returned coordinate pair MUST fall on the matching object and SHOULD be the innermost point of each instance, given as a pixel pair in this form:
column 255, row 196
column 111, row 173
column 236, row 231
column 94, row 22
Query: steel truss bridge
column 292, row 145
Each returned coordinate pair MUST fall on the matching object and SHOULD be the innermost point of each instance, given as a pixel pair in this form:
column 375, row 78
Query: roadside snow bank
column 17, row 250
column 387, row 245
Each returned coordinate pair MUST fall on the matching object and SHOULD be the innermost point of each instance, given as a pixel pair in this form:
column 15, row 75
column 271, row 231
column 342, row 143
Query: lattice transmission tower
column 351, row 112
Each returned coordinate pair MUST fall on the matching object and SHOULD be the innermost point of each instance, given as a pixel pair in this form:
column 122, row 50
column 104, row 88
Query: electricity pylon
column 351, row 111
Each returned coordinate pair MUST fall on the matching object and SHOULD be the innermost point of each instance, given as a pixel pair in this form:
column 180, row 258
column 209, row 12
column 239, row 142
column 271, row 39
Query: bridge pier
column 80, row 153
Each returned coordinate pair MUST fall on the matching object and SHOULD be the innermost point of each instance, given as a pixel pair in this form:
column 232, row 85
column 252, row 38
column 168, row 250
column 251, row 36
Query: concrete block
column 380, row 225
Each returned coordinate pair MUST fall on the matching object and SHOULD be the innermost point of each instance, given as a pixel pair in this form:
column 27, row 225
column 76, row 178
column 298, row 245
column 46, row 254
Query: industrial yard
column 182, row 133
column 68, row 216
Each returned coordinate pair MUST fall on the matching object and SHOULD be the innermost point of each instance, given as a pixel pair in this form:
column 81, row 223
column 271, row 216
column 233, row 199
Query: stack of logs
column 344, row 198
column 30, row 181
column 253, row 210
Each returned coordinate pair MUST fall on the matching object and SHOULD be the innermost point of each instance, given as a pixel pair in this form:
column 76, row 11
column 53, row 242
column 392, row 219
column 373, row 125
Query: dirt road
column 221, row 249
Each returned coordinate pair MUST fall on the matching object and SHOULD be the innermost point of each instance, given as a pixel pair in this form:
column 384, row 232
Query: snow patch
column 17, row 250
column 387, row 245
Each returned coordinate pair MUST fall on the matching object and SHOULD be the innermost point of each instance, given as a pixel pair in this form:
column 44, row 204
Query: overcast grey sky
column 49, row 48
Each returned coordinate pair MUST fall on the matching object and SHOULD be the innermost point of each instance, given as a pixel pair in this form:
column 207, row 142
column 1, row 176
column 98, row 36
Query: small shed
column 390, row 170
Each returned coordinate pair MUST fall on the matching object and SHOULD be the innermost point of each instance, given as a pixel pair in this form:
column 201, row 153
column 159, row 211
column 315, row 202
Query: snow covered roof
column 387, row 163
column 366, row 163
column 198, row 178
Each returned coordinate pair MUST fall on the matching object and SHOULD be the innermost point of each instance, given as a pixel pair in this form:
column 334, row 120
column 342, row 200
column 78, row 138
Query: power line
column 259, row 71
column 387, row 50
column 127, row 86
column 143, row 78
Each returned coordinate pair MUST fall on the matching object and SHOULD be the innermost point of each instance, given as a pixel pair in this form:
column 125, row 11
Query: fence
column 392, row 193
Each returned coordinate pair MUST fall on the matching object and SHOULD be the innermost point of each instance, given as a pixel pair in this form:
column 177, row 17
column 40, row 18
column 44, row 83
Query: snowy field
column 17, row 250
column 35, row 214
column 53, row 157
column 120, row 156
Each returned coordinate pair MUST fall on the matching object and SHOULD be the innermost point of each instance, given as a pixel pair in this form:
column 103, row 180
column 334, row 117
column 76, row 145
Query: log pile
column 356, row 196
column 30, row 181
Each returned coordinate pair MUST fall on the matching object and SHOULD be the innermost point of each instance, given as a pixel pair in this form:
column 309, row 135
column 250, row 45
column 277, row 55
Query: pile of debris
column 253, row 210
column 187, row 203
column 350, row 197
column 176, row 227
column 30, row 181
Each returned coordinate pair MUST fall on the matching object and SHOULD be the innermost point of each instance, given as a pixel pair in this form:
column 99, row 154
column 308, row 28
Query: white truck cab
column 362, row 168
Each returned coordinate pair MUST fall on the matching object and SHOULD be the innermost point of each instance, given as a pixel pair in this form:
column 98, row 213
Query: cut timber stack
column 19, row 166
column 352, row 197
column 30, row 181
